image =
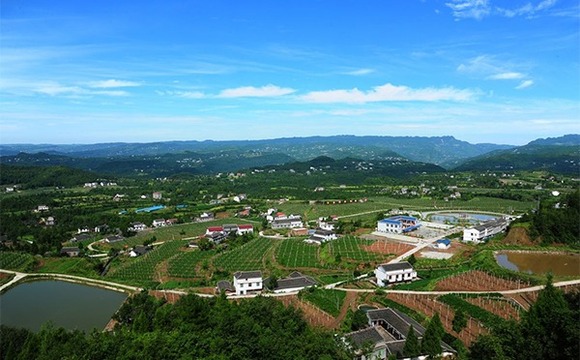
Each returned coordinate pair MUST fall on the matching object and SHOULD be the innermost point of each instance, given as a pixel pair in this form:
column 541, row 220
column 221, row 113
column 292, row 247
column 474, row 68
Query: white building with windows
column 480, row 233
column 245, row 281
column 392, row 273
column 398, row 224
column 288, row 223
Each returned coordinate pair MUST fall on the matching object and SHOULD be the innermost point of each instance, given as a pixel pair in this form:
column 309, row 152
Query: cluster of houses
column 385, row 335
column 251, row 282
column 157, row 223
column 217, row 234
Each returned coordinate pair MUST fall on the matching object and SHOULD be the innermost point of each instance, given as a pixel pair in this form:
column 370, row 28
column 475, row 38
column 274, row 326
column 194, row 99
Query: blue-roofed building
column 398, row 224
column 442, row 244
column 150, row 209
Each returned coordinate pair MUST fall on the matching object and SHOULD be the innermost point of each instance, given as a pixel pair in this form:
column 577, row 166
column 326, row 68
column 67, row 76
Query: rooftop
column 403, row 265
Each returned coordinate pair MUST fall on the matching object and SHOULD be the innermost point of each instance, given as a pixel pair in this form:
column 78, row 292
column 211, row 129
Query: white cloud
column 112, row 83
column 183, row 94
column 56, row 89
column 525, row 84
column 388, row 92
column 488, row 67
column 478, row 9
column 527, row 10
column 359, row 72
column 475, row 9
column 507, row 76
column 251, row 91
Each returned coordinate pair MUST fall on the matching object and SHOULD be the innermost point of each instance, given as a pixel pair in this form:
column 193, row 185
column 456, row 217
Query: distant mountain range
column 440, row 150
column 203, row 157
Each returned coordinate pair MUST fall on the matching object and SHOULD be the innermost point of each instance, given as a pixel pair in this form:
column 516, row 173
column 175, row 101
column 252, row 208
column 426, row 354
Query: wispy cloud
column 528, row 9
column 251, row 91
column 183, row 94
column 112, row 83
column 507, row 76
column 525, row 84
column 388, row 92
column 478, row 9
column 359, row 72
column 56, row 89
column 490, row 68
column 475, row 9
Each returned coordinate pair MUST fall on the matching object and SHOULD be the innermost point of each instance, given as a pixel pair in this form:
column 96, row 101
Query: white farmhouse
column 245, row 281
column 288, row 223
column 391, row 273
column 398, row 224
column 159, row 223
column 480, row 233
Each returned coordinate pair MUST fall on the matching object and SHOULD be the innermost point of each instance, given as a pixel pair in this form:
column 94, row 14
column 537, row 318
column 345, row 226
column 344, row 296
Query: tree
column 459, row 320
column 359, row 320
column 273, row 283
column 431, row 343
column 412, row 347
column 487, row 347
column 412, row 259
column 549, row 328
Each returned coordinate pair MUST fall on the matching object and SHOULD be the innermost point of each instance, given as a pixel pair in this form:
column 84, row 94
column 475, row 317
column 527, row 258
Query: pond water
column 72, row 306
column 366, row 308
column 455, row 218
column 540, row 262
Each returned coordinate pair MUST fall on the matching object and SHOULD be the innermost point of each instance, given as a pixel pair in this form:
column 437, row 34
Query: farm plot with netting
column 247, row 257
column 14, row 260
column 143, row 268
column 501, row 307
column 350, row 247
column 477, row 280
column 295, row 253
column 184, row 264
column 428, row 305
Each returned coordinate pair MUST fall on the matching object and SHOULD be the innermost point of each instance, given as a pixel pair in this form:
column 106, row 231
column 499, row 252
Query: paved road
column 122, row 287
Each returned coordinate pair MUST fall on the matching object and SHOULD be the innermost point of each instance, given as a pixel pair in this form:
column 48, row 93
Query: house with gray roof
column 386, row 335
column 247, row 281
column 225, row 287
column 392, row 273
column 294, row 282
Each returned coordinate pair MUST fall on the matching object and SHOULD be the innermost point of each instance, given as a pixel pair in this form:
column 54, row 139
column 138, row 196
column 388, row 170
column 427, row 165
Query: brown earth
column 387, row 247
column 518, row 236
column 477, row 280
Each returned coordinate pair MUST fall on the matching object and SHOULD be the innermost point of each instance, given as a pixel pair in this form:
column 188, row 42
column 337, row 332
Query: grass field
column 349, row 247
column 249, row 256
column 327, row 300
column 377, row 204
column 184, row 264
column 72, row 266
column 294, row 253
column 144, row 268
column 15, row 261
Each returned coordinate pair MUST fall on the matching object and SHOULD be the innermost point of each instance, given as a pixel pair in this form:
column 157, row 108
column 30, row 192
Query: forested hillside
column 193, row 328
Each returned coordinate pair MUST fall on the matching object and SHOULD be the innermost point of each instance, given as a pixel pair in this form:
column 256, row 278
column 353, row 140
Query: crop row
column 143, row 267
column 350, row 247
column 184, row 264
column 246, row 257
column 14, row 260
column 295, row 253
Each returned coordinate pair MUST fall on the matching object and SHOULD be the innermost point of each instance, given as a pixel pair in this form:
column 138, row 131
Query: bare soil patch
column 478, row 281
column 387, row 247
column 518, row 236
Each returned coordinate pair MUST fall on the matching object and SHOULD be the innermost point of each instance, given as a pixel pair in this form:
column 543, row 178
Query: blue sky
column 105, row 71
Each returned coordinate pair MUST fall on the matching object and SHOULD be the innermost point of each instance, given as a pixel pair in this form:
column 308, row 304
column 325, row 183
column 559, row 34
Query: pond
column 562, row 264
column 68, row 305
column 365, row 307
column 444, row 218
